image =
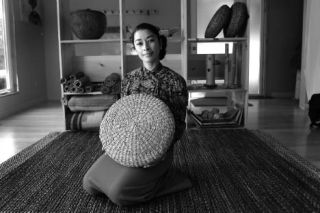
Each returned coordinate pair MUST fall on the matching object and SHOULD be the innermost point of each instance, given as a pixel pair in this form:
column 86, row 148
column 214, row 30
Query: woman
column 127, row 185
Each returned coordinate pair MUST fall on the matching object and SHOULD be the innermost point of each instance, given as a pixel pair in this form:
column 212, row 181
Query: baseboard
column 18, row 106
column 259, row 97
column 282, row 95
column 273, row 95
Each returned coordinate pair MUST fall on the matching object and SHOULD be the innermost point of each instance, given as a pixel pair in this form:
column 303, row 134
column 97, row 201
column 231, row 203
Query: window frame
column 10, row 48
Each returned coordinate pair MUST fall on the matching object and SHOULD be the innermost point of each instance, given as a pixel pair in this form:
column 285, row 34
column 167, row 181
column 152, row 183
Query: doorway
column 283, row 21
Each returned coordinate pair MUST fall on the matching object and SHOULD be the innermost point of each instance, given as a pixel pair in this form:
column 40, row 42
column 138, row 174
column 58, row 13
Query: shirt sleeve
column 124, row 88
column 125, row 85
column 179, row 107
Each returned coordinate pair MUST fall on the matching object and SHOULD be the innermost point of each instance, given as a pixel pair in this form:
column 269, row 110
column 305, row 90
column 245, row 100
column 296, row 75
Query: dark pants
column 128, row 185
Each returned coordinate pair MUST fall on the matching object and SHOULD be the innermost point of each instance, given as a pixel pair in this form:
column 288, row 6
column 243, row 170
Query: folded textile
column 89, row 121
column 91, row 103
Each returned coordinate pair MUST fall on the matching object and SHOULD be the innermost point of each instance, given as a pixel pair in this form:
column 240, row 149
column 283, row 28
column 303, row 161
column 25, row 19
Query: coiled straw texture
column 137, row 130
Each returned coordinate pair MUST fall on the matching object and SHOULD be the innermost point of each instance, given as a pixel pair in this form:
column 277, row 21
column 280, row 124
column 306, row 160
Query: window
column 8, row 77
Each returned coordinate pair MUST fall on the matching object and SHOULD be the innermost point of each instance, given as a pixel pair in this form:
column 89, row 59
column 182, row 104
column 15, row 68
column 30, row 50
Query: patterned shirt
column 163, row 83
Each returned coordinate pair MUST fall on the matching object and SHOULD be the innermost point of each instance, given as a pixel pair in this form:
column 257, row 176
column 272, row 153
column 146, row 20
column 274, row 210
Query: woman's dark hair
column 155, row 30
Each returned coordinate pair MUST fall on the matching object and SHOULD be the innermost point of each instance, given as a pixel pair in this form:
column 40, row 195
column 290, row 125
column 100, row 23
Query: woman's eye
column 139, row 43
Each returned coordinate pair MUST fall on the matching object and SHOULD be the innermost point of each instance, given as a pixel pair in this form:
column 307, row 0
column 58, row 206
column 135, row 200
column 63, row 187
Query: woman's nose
column 146, row 46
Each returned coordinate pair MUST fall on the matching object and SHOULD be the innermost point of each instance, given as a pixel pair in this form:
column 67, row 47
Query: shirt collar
column 156, row 69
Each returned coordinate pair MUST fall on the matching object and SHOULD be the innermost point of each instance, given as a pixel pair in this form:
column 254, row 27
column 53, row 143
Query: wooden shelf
column 85, row 41
column 169, row 39
column 85, row 93
column 197, row 40
column 216, row 89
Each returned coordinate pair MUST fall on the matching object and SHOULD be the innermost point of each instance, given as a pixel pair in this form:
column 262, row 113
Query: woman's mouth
column 147, row 54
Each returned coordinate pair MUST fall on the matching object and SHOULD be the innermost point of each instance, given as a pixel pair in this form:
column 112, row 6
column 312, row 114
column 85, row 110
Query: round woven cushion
column 219, row 20
column 238, row 20
column 137, row 130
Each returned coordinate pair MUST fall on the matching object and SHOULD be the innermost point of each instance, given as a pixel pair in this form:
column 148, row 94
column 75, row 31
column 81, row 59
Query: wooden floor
column 289, row 124
column 280, row 117
column 23, row 129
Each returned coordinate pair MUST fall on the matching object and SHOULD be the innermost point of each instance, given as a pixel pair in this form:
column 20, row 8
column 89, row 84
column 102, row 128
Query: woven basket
column 238, row 21
column 137, row 130
column 88, row 24
column 219, row 20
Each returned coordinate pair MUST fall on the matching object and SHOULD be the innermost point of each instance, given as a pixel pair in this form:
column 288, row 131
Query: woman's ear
column 133, row 50
column 160, row 42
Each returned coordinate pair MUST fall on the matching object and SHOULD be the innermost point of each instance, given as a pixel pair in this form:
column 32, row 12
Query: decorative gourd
column 219, row 20
column 238, row 21
column 88, row 24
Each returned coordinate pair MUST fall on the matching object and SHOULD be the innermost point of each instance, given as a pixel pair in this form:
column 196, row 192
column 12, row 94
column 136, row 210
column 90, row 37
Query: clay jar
column 88, row 24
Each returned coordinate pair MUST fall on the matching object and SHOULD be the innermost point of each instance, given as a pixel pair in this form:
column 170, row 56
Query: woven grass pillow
column 238, row 20
column 218, row 21
column 137, row 130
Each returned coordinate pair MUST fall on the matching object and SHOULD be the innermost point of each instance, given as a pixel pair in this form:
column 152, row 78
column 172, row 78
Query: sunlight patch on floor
column 7, row 147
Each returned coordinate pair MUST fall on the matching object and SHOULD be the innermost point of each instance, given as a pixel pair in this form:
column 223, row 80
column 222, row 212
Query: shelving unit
column 98, row 58
column 194, row 65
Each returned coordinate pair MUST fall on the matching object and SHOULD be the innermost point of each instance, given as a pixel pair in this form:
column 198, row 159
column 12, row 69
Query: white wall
column 30, row 66
column 310, row 65
column 51, row 51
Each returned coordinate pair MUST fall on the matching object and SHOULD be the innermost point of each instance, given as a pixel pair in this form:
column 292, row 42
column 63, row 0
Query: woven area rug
column 232, row 170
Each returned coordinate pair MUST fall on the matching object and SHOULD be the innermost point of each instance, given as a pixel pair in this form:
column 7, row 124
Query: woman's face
column 147, row 46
